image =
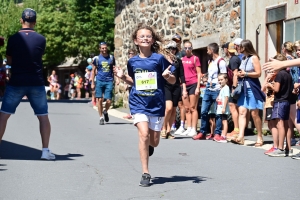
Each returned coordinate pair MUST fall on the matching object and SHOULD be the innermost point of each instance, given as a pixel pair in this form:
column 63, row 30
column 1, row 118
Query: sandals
column 169, row 136
column 259, row 143
column 239, row 141
column 163, row 134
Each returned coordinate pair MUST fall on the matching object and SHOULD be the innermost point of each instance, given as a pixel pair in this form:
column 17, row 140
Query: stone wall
column 195, row 20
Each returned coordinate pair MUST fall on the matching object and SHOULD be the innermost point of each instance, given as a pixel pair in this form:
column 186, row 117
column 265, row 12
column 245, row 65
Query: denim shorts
column 35, row 94
column 104, row 88
column 249, row 101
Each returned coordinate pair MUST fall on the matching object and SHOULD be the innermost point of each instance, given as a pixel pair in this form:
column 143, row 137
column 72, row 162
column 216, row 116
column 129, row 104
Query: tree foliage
column 73, row 28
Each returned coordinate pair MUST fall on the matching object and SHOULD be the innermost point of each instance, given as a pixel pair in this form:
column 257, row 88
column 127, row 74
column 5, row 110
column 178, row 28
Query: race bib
column 146, row 81
column 219, row 106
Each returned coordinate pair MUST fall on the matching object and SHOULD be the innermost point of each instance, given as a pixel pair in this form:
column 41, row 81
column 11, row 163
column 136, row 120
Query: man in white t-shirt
column 216, row 65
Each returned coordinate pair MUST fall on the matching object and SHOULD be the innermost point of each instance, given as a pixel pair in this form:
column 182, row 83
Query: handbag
column 237, row 91
column 239, row 88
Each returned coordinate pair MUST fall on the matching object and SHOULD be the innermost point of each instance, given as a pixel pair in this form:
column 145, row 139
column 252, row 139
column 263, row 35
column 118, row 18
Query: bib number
column 146, row 81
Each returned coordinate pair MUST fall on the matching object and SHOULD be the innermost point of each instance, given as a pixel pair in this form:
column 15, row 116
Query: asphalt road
column 102, row 162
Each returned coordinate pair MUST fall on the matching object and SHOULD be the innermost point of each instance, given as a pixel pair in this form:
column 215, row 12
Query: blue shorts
column 281, row 110
column 249, row 101
column 104, row 88
column 35, row 94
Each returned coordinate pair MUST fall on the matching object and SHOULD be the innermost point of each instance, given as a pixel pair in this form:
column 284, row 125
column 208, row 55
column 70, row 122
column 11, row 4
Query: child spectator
column 222, row 109
column 282, row 87
column 269, row 102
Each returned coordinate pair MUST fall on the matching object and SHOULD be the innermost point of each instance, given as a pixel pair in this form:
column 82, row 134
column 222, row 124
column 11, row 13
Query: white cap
column 89, row 60
column 238, row 41
column 171, row 44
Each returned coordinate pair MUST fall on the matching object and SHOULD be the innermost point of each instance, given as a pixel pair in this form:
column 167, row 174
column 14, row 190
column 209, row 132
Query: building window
column 276, row 14
column 292, row 30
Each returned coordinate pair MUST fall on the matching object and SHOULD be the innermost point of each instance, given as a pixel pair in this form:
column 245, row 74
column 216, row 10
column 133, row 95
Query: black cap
column 225, row 45
column 29, row 15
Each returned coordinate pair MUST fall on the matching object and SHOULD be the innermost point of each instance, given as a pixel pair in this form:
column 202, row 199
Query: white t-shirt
column 213, row 73
column 220, row 100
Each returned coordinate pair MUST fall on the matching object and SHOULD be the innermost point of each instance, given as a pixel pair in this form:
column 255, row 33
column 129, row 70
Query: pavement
column 102, row 162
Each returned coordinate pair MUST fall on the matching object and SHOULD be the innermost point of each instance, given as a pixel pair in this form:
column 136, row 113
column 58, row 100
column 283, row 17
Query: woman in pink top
column 192, row 74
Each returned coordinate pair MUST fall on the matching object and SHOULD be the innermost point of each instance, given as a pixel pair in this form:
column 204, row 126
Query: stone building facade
column 200, row 21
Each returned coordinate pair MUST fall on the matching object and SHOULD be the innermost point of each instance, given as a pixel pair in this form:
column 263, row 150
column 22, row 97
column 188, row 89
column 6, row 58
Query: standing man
column 216, row 66
column 24, row 53
column 104, row 64
column 237, row 45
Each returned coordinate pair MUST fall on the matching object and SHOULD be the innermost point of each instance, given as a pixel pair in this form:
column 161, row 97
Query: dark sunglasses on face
column 102, row 43
column 188, row 48
column 172, row 48
column 130, row 53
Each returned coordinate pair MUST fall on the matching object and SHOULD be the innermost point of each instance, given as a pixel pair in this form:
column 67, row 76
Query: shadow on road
column 119, row 123
column 163, row 180
column 1, row 165
column 13, row 151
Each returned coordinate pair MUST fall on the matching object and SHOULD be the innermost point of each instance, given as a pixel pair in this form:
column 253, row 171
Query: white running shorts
column 154, row 123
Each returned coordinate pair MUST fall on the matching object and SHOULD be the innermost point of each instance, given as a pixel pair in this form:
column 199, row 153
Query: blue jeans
column 35, row 94
column 208, row 98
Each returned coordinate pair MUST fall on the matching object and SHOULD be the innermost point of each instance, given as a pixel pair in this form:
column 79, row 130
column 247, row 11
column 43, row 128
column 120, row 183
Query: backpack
column 229, row 73
column 97, row 59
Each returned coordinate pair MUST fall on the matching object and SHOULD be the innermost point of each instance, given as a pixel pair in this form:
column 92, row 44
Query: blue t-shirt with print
column 104, row 67
column 148, row 102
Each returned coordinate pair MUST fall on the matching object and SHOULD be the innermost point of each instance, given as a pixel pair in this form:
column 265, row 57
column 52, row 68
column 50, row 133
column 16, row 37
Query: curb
column 248, row 143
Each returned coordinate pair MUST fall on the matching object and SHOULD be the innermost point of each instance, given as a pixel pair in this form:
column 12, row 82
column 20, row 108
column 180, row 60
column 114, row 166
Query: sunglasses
column 172, row 48
column 188, row 48
column 103, row 43
column 130, row 53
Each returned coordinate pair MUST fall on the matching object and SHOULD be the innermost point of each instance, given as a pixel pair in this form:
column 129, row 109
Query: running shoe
column 145, row 181
column 222, row 139
column 216, row 137
column 298, row 143
column 296, row 156
column 47, row 155
column 277, row 153
column 200, row 136
column 179, row 131
column 151, row 150
column 101, row 121
column 192, row 133
column 106, row 118
column 288, row 153
column 270, row 150
column 210, row 136
column 186, row 132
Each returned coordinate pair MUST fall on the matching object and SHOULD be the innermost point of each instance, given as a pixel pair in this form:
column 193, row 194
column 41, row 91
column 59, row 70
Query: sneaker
column 200, row 136
column 151, row 150
column 270, row 151
column 186, row 132
column 209, row 136
column 296, row 156
column 101, row 121
column 298, row 143
column 179, row 131
column 222, row 139
column 192, row 133
column 47, row 155
column 145, row 181
column 288, row 153
column 106, row 118
column 216, row 137
column 277, row 153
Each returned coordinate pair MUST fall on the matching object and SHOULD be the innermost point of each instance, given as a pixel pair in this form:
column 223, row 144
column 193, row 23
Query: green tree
column 73, row 28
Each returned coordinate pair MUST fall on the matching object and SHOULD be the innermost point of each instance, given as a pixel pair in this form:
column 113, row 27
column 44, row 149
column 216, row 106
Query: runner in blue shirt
column 147, row 73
